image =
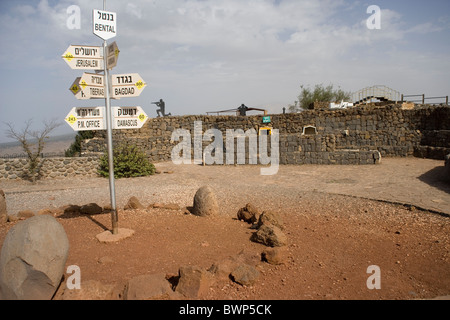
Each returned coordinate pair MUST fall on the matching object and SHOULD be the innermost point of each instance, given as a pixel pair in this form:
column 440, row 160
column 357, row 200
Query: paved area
column 410, row 181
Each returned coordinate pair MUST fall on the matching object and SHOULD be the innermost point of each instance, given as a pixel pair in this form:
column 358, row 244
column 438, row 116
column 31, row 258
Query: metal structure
column 241, row 110
column 379, row 92
column 423, row 98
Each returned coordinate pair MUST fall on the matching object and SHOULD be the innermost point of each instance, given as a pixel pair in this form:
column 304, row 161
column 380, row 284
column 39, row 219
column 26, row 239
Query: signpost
column 95, row 86
column 104, row 25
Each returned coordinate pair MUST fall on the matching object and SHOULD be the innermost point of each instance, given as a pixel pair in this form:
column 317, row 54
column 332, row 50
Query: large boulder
column 32, row 259
column 3, row 212
column 205, row 202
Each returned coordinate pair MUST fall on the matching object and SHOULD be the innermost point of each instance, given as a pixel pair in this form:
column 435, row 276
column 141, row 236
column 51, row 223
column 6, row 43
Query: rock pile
column 191, row 282
column 269, row 232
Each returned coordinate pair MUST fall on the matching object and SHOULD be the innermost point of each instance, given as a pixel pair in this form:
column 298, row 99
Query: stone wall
column 360, row 135
column 50, row 168
column 338, row 135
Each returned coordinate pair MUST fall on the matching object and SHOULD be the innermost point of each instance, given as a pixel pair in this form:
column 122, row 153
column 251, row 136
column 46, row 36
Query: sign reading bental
column 104, row 25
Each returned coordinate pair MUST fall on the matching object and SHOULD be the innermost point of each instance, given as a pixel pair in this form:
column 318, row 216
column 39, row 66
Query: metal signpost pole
column 114, row 215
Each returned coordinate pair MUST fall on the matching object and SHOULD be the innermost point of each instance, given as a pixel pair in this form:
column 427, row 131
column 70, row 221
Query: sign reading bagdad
column 127, row 85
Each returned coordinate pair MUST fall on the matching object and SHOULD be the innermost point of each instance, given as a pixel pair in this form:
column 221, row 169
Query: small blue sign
column 266, row 119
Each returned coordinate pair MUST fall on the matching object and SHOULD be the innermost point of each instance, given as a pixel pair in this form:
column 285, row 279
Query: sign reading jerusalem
column 104, row 25
column 84, row 57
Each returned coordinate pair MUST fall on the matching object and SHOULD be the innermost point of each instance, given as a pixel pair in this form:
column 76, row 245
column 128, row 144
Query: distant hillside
column 54, row 144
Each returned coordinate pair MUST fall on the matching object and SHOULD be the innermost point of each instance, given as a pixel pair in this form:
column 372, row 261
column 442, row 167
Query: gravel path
column 408, row 181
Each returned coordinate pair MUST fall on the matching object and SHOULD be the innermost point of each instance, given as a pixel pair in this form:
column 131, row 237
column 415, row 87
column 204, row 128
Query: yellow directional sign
column 76, row 90
column 71, row 119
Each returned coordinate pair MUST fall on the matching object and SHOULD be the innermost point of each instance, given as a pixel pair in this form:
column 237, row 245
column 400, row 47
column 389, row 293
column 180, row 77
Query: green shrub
column 75, row 148
column 129, row 162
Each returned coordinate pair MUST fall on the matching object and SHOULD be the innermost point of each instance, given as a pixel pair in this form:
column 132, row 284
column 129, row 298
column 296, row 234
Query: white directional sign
column 83, row 119
column 93, row 118
column 128, row 117
column 93, row 85
column 89, row 86
column 84, row 57
column 105, row 24
column 127, row 85
column 92, row 79
column 112, row 52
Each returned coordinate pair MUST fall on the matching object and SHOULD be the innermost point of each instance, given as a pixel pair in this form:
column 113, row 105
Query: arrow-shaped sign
column 104, row 24
column 127, row 85
column 93, row 118
column 84, row 57
column 128, row 117
column 75, row 88
column 84, row 119
column 89, row 86
column 112, row 55
column 93, row 85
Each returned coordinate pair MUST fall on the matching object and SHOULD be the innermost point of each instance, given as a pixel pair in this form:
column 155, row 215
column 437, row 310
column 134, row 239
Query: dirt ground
column 339, row 220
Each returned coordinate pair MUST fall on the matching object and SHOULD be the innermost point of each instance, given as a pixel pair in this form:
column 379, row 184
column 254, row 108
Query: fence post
column 423, row 99
column 402, row 97
column 446, row 100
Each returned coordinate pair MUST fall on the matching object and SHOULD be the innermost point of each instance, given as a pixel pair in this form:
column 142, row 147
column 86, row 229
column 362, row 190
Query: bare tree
column 33, row 149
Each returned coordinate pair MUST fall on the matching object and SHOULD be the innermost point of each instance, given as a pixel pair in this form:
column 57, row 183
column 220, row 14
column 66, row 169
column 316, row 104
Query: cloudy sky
column 210, row 55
